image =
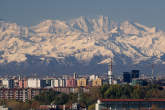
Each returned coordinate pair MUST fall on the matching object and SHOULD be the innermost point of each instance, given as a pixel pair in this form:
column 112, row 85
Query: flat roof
column 132, row 100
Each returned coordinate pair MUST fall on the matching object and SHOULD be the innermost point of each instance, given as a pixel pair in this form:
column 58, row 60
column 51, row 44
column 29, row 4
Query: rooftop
column 133, row 100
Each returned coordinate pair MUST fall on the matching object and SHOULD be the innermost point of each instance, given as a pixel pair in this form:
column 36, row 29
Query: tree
column 114, row 91
column 25, row 106
column 46, row 97
column 103, row 89
column 72, row 98
column 61, row 99
column 138, row 92
column 91, row 107
column 154, row 107
column 35, row 105
column 126, row 91
column 15, row 105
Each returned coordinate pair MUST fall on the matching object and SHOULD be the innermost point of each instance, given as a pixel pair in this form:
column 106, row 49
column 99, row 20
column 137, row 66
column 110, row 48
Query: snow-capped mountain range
column 81, row 44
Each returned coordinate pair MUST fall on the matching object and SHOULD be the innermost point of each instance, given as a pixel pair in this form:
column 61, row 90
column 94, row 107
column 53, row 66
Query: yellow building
column 97, row 82
column 82, row 82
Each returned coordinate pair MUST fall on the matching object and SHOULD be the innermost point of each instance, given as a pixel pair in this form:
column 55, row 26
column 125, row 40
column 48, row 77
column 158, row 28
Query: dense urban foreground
column 50, row 98
column 82, row 92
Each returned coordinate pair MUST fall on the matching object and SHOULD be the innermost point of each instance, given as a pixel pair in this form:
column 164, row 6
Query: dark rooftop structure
column 139, row 104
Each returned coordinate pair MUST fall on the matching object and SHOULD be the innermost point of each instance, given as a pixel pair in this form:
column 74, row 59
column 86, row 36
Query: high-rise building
column 82, row 82
column 23, row 83
column 135, row 74
column 93, row 77
column 45, row 83
column 71, row 83
column 55, row 83
column 62, row 82
column 34, row 83
column 127, row 77
column 8, row 83
column 97, row 82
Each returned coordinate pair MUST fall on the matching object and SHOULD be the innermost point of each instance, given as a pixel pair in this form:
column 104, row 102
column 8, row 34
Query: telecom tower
column 110, row 75
column 152, row 71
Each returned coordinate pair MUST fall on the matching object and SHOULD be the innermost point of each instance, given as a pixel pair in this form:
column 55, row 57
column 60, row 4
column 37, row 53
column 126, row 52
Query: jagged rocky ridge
column 82, row 45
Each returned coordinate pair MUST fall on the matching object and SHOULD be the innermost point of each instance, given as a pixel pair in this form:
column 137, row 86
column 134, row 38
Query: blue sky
column 31, row 12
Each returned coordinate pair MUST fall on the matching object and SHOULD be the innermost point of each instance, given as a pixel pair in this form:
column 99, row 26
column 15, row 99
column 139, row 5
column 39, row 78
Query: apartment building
column 71, row 83
column 34, row 83
column 23, row 83
column 97, row 82
column 19, row 93
column 82, row 82
column 8, row 83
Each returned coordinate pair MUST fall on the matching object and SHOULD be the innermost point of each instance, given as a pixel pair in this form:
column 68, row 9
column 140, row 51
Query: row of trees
column 52, row 97
column 132, row 92
column 57, row 98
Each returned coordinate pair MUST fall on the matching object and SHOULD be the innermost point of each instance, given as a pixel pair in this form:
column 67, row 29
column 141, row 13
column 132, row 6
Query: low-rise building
column 138, row 82
column 127, row 104
column 4, row 108
column 66, row 90
column 19, row 93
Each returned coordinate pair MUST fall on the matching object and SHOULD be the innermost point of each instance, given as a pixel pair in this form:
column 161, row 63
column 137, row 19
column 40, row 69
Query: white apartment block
column 34, row 83
column 62, row 82
column 55, row 83
column 8, row 83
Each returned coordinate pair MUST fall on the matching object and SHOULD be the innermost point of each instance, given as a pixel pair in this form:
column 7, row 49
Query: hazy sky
column 31, row 12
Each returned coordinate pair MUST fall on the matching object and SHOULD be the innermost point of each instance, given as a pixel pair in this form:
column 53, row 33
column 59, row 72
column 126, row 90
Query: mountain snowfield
column 81, row 41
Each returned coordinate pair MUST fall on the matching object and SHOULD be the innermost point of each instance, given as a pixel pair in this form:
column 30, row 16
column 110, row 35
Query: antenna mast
column 152, row 71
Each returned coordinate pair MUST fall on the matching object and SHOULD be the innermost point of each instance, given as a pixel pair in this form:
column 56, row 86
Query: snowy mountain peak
column 82, row 40
column 50, row 26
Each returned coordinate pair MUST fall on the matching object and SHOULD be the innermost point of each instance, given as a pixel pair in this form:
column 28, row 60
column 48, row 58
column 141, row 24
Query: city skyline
column 82, row 54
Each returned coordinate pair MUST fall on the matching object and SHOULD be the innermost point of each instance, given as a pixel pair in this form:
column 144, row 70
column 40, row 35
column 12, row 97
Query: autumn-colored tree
column 35, row 105
column 91, row 107
column 154, row 107
column 15, row 105
column 25, row 106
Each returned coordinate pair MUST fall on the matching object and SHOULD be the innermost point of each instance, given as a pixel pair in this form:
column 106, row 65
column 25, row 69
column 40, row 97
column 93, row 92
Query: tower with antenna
column 152, row 77
column 110, row 75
